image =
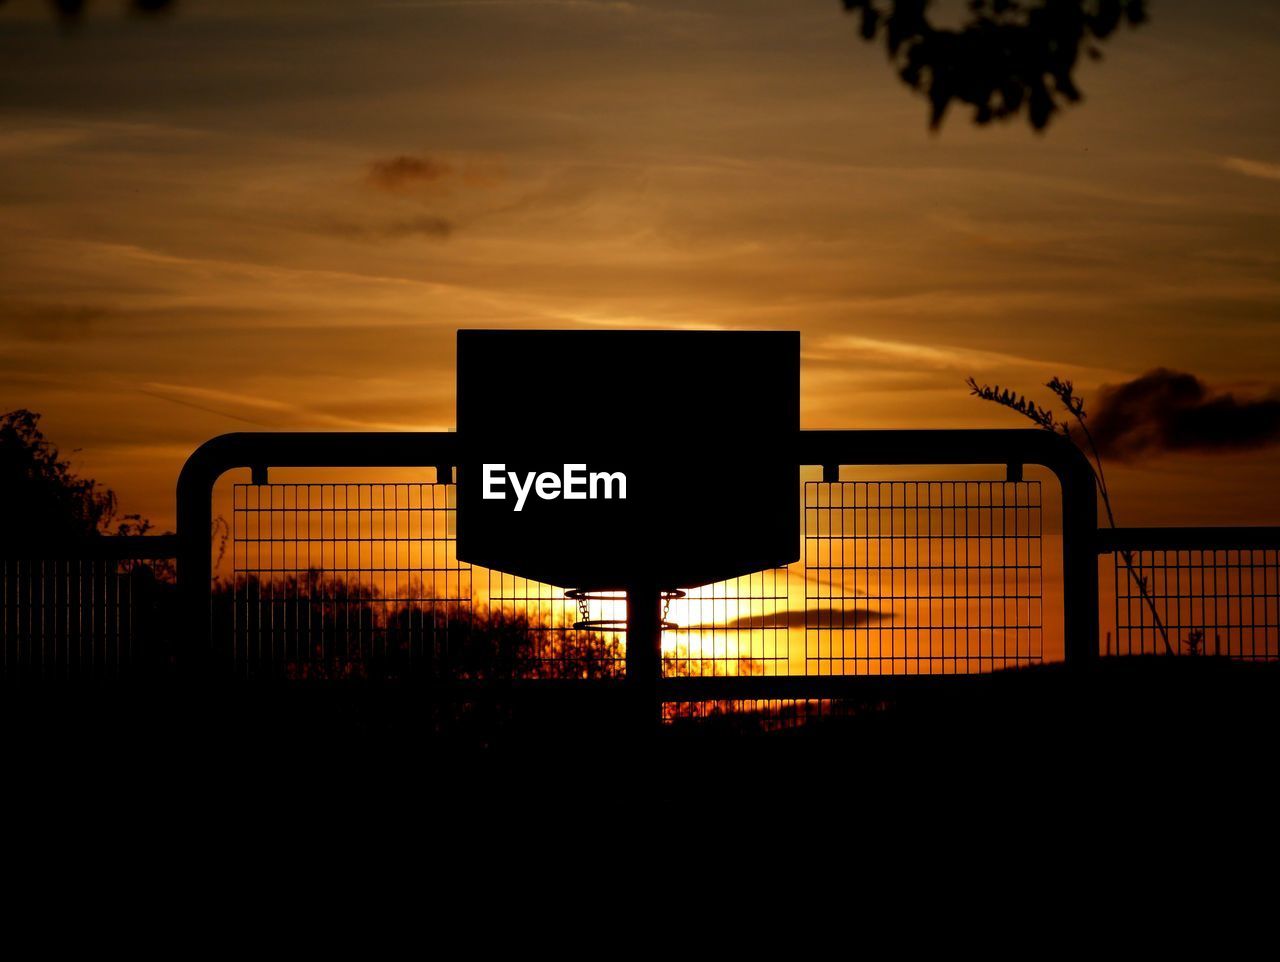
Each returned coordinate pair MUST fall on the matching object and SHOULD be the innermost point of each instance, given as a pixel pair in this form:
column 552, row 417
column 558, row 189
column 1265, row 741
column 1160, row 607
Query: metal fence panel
column 898, row 577
column 64, row 618
column 1197, row 601
column 340, row 580
column 920, row 577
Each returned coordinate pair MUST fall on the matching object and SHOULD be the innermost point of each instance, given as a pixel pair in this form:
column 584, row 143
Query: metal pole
column 644, row 655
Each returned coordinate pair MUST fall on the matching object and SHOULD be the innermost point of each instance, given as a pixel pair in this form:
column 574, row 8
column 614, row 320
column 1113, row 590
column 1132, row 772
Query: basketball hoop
column 586, row 623
column 676, row 520
column 638, row 521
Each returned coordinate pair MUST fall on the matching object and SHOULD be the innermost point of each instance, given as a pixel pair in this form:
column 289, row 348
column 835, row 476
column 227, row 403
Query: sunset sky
column 270, row 215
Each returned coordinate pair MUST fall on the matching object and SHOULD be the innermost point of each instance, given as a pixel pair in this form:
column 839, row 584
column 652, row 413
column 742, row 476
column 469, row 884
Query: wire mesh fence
column 742, row 626
column 912, row 577
column 555, row 643
column 333, row 581
column 339, row 580
column 1197, row 601
column 897, row 578
column 343, row 580
column 84, row 617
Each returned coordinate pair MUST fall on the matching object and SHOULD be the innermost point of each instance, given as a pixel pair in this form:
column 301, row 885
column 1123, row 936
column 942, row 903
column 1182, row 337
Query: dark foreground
column 1154, row 749
column 1122, row 711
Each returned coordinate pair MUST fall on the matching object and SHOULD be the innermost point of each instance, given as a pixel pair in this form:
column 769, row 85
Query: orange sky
column 205, row 227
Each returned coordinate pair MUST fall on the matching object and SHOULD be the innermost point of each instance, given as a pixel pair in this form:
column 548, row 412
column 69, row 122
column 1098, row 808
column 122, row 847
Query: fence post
column 1079, row 554
column 195, row 563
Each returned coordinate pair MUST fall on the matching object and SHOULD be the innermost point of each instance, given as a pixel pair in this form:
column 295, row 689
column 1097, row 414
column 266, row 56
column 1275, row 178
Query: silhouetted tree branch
column 1008, row 55
column 69, row 11
column 45, row 502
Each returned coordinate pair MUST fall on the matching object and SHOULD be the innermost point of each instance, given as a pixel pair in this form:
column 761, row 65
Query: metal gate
column 898, row 578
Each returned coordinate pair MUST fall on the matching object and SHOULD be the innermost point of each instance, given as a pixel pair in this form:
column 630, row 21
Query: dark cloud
column 424, row 225
column 1167, row 410
column 404, row 172
column 49, row 322
column 834, row 618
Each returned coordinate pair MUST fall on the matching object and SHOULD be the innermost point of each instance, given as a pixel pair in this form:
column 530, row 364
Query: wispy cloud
column 1252, row 168
column 618, row 6
column 258, row 411
column 916, row 356
column 33, row 139
column 49, row 322
column 425, row 225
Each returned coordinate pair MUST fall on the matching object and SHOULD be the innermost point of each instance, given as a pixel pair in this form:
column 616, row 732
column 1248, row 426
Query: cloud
column 404, row 172
column 834, row 618
column 908, row 354
column 1252, row 168
column 1167, row 410
column 424, row 225
column 49, row 322
column 262, row 412
column 36, row 139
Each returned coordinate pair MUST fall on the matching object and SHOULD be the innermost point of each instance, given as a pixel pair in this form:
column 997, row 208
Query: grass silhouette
column 1044, row 418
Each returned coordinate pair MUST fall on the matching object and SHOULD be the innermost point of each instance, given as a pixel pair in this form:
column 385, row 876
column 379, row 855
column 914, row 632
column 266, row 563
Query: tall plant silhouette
column 1044, row 418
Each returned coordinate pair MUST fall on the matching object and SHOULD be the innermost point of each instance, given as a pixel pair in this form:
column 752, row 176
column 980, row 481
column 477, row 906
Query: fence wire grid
column 333, row 580
column 914, row 577
column 1203, row 601
column 896, row 577
column 83, row 617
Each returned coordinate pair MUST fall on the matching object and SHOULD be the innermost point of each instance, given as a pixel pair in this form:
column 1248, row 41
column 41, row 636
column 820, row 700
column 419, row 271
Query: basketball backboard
column 603, row 459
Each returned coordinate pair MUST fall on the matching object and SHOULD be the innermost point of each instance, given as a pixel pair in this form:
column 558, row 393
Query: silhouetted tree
column 314, row 625
column 67, row 609
column 45, row 502
column 69, row 11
